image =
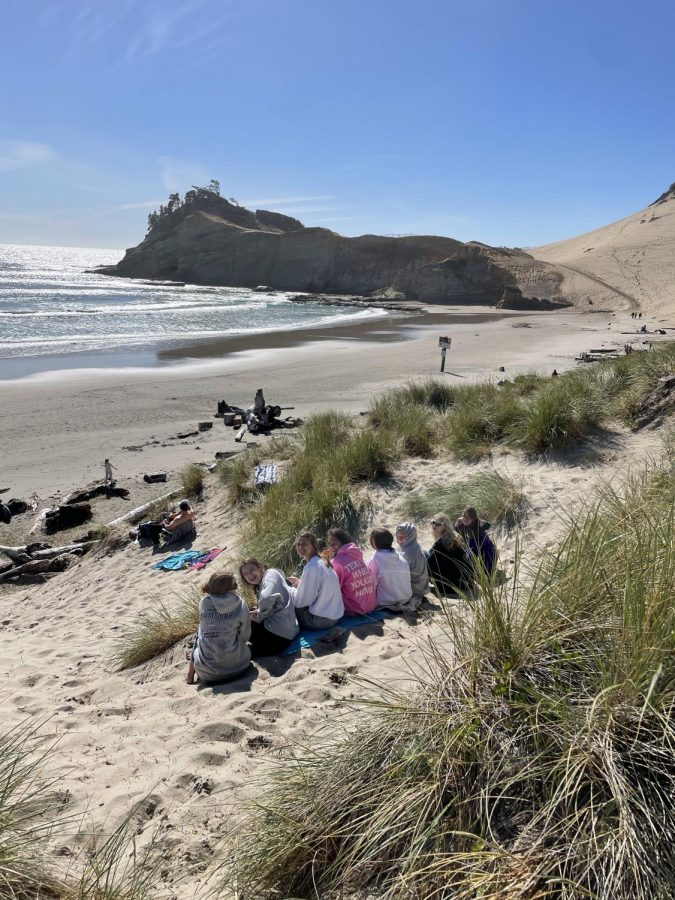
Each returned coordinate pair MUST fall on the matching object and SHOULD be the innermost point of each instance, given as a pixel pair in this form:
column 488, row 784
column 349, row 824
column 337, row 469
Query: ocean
column 54, row 315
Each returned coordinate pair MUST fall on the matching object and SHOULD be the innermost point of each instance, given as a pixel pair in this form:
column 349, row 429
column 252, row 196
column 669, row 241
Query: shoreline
column 391, row 326
column 59, row 426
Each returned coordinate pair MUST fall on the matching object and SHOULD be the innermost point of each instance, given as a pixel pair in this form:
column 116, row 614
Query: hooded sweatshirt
column 319, row 590
column 356, row 580
column 392, row 579
column 413, row 554
column 221, row 650
column 479, row 545
column 275, row 607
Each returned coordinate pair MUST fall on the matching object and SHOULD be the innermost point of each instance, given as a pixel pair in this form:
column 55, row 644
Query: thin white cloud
column 180, row 174
column 124, row 207
column 283, row 201
column 23, row 154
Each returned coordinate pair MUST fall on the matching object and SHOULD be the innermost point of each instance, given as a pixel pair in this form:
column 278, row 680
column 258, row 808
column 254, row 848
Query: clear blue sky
column 508, row 121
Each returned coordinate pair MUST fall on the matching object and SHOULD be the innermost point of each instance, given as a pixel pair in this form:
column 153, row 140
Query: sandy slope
column 194, row 754
column 629, row 264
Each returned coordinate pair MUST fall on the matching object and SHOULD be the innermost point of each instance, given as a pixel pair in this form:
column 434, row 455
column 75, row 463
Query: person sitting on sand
column 316, row 595
column 356, row 580
column 479, row 546
column 185, row 514
column 412, row 553
column 447, row 561
column 221, row 651
column 391, row 573
column 273, row 621
column 169, row 524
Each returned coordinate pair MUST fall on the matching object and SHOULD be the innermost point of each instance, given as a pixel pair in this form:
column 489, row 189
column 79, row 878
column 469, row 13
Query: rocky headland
column 206, row 239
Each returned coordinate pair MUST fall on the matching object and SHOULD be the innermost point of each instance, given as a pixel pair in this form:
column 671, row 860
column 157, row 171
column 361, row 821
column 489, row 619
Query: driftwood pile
column 36, row 563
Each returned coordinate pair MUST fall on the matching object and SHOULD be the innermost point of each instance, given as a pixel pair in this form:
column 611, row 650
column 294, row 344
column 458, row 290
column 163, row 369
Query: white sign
column 444, row 343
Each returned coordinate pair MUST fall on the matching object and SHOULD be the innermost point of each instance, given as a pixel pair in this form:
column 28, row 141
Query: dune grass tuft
column 496, row 498
column 156, row 630
column 320, row 487
column 192, row 480
column 27, row 807
column 534, row 413
column 533, row 760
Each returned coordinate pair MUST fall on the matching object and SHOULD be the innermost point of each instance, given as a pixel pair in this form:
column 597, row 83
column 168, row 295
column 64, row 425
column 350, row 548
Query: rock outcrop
column 213, row 241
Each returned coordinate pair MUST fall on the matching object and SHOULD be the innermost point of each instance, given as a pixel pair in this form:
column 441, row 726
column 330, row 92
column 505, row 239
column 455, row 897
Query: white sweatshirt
column 319, row 590
column 392, row 577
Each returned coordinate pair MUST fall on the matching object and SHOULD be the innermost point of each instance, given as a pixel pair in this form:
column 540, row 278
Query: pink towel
column 206, row 558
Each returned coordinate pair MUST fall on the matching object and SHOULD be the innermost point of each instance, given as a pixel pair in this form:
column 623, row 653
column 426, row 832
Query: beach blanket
column 205, row 559
column 307, row 638
column 265, row 475
column 178, row 560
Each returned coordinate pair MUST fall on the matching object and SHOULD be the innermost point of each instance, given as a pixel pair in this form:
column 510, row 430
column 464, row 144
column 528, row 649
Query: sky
column 513, row 122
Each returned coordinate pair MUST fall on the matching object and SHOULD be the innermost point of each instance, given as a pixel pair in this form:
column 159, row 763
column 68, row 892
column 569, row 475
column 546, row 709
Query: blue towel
column 306, row 638
column 178, row 560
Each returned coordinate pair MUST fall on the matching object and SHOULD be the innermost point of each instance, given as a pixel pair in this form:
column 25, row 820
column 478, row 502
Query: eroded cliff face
column 225, row 244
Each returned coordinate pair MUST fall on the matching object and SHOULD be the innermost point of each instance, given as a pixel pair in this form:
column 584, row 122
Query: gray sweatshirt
column 413, row 554
column 221, row 650
column 275, row 606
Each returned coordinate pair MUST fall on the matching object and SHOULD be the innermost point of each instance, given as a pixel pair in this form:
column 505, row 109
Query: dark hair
column 470, row 511
column 341, row 535
column 312, row 538
column 184, row 505
column 249, row 561
column 381, row 539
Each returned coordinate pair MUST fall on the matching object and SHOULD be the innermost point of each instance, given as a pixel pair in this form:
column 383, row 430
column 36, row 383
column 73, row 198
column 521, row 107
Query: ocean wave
column 30, row 346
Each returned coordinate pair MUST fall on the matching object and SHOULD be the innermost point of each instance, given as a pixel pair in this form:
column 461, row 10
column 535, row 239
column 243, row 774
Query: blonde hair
column 219, row 583
column 449, row 537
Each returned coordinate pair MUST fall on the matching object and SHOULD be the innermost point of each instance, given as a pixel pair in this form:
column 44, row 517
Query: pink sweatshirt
column 356, row 580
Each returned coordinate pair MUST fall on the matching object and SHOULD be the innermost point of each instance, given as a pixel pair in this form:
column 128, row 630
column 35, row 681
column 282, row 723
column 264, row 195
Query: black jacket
column 448, row 569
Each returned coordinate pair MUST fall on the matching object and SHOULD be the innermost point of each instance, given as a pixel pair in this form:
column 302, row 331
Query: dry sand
column 193, row 754
column 628, row 263
column 59, row 427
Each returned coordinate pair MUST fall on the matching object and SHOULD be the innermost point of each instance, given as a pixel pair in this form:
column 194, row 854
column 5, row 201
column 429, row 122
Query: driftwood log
column 135, row 515
column 18, row 554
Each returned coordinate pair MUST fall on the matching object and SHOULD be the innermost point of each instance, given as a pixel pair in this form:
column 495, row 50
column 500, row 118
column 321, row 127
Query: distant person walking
column 109, row 477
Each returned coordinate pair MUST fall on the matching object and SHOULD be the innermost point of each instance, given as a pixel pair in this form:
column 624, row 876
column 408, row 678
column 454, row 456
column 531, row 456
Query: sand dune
column 629, row 264
column 193, row 755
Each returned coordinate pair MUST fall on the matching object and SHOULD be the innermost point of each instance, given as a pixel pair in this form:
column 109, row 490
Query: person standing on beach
column 109, row 477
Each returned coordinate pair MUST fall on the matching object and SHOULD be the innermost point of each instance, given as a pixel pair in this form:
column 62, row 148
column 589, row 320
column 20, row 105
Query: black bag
column 5, row 514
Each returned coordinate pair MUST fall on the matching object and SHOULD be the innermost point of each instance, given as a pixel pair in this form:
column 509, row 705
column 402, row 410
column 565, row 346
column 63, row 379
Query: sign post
column 444, row 343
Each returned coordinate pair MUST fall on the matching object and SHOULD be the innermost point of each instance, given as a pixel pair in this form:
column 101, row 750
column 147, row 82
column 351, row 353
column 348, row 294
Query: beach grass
column 533, row 413
column 191, row 479
column 531, row 757
column 27, row 810
column 498, row 498
column 115, row 868
column 320, row 489
column 156, row 630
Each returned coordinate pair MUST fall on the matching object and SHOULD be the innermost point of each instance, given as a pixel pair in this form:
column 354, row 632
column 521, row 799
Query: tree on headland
column 177, row 206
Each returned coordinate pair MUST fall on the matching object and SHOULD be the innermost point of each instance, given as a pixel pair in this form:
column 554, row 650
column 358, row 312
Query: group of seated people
column 173, row 527
column 332, row 583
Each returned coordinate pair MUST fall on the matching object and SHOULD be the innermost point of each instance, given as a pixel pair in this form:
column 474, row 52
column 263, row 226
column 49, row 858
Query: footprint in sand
column 221, row 731
column 212, row 759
